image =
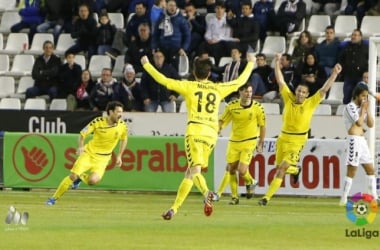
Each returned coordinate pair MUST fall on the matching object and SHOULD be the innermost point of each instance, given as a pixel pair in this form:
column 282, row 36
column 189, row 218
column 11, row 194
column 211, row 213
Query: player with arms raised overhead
column 356, row 115
column 248, row 123
column 94, row 156
column 202, row 99
column 296, row 116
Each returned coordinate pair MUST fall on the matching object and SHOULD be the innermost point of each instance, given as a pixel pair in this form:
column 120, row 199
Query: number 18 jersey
column 202, row 99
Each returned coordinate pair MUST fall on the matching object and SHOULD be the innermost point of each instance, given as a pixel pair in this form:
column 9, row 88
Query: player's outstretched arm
column 243, row 78
column 278, row 73
column 153, row 72
column 330, row 81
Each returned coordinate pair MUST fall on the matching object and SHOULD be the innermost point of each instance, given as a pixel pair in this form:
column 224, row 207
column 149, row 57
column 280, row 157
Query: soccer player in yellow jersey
column 202, row 99
column 296, row 117
column 248, row 124
column 94, row 156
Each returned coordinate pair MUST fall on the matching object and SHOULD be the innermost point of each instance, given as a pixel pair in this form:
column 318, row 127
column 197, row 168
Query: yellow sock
column 183, row 191
column 247, row 178
column 63, row 187
column 234, row 185
column 292, row 170
column 223, row 184
column 273, row 187
column 84, row 178
column 200, row 183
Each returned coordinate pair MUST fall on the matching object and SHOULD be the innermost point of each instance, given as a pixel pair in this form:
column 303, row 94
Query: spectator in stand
column 70, row 77
column 172, row 34
column 140, row 16
column 140, row 47
column 84, row 31
column 158, row 8
column 302, row 46
column 234, row 6
column 45, row 73
column 155, row 94
column 31, row 16
column 288, row 71
column 289, row 16
column 232, row 71
column 218, row 33
column 327, row 51
column 358, row 8
column 105, row 34
column 54, row 18
column 245, row 28
column 132, row 87
column 148, row 4
column 106, row 89
column 95, row 6
column 114, row 6
column 197, row 27
column 216, row 72
column 327, row 7
column 263, row 12
column 374, row 10
column 210, row 5
column 311, row 73
column 203, row 4
column 354, row 61
column 84, row 90
column 263, row 70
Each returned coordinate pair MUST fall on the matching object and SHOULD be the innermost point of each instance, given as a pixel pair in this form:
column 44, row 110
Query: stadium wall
column 157, row 163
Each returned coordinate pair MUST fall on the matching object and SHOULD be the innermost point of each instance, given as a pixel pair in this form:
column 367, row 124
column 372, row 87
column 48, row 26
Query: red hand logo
column 35, row 160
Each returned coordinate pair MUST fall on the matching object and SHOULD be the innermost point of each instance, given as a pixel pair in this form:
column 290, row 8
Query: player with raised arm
column 248, row 124
column 94, row 156
column 202, row 99
column 296, row 117
column 356, row 115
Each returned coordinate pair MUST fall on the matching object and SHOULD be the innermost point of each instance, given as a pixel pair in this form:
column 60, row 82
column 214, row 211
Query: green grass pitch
column 127, row 220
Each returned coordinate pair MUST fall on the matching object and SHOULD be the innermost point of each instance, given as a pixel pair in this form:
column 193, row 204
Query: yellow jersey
column 202, row 98
column 105, row 137
column 296, row 118
column 246, row 121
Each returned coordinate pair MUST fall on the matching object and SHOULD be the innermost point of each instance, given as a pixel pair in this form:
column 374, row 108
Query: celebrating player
column 95, row 155
column 248, row 123
column 202, row 99
column 356, row 115
column 297, row 113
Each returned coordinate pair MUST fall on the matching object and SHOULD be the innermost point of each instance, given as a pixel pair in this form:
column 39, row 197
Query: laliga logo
column 361, row 209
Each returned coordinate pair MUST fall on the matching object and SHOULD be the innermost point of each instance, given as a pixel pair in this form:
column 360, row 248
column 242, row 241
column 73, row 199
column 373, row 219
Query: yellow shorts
column 91, row 162
column 240, row 151
column 198, row 149
column 289, row 149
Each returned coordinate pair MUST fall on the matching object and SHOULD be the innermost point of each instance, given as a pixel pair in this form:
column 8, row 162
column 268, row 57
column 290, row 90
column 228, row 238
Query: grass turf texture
column 106, row 220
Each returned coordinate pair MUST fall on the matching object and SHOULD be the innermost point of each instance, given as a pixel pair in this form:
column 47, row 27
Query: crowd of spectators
column 167, row 30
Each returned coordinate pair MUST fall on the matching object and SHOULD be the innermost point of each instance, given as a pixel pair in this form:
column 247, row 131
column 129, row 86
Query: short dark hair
column 304, row 84
column 47, row 42
column 330, row 27
column 261, row 55
column 220, row 3
column 359, row 88
column 202, row 68
column 69, row 52
column 287, row 56
column 112, row 106
column 245, row 86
